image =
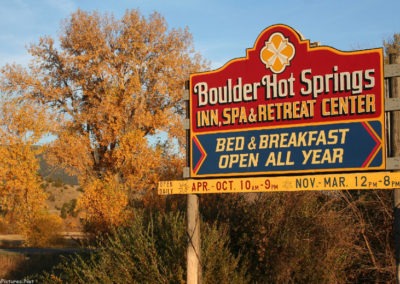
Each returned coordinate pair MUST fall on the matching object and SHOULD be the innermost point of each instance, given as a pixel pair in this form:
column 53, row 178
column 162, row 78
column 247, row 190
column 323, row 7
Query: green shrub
column 51, row 197
column 68, row 208
column 151, row 250
column 44, row 185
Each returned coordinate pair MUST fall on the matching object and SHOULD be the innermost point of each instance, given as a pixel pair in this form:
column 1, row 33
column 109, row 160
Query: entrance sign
column 346, row 181
column 288, row 107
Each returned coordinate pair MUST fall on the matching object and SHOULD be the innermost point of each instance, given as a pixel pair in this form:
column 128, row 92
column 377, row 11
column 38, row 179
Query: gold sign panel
column 346, row 181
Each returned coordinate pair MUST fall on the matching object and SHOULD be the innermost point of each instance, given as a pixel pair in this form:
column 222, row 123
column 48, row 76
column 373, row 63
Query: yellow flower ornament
column 277, row 53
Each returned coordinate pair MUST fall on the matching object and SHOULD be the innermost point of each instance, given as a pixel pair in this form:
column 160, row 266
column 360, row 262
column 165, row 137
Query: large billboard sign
column 288, row 107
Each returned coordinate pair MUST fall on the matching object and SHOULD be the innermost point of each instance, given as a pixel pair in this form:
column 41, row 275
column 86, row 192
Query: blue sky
column 222, row 30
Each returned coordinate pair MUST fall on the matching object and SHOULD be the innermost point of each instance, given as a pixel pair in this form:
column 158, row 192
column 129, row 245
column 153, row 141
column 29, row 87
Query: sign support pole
column 395, row 152
column 193, row 250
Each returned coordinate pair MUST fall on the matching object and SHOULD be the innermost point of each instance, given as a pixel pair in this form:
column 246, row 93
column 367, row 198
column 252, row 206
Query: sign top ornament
column 277, row 53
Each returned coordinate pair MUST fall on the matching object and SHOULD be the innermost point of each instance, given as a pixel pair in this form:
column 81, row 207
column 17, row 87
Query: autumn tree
column 111, row 84
column 392, row 46
column 22, row 200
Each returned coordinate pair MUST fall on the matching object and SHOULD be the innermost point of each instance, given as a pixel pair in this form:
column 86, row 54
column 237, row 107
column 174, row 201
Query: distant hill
column 55, row 174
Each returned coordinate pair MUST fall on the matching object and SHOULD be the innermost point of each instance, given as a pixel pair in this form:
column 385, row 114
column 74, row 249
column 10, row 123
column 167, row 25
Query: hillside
column 63, row 192
column 48, row 172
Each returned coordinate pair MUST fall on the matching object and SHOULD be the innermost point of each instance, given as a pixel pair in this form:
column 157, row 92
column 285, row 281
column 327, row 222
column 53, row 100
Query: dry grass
column 19, row 266
column 10, row 263
column 58, row 195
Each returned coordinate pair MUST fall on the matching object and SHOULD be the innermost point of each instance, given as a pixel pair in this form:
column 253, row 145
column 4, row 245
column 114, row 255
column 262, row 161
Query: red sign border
column 310, row 48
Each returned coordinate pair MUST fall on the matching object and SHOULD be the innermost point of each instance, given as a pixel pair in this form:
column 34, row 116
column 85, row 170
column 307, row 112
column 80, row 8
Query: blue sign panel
column 330, row 147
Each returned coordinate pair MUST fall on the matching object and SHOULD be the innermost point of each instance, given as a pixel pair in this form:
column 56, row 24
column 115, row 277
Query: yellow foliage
column 105, row 203
column 78, row 161
column 21, row 197
column 43, row 230
column 22, row 200
column 136, row 161
column 102, row 91
column 117, row 81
